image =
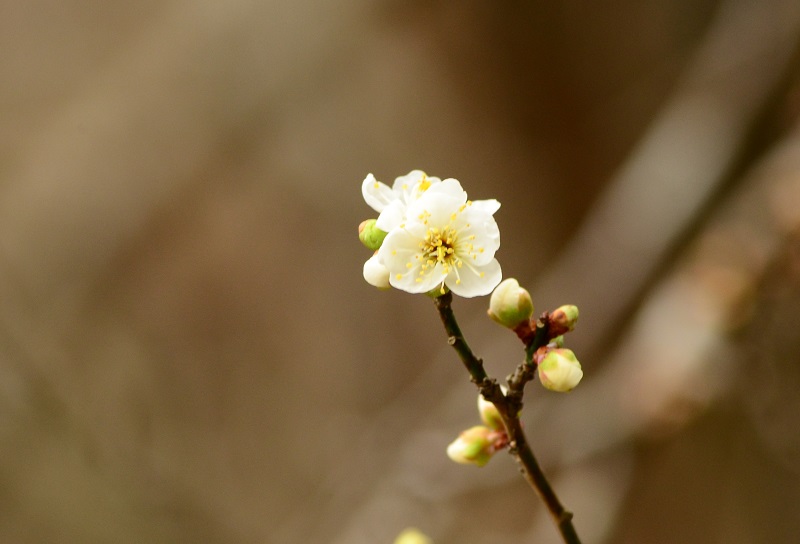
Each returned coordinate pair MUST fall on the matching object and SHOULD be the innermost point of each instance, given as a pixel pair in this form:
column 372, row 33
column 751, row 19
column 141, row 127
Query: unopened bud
column 376, row 273
column 563, row 319
column 475, row 446
column 370, row 235
column 559, row 370
column 510, row 305
column 490, row 415
column 412, row 536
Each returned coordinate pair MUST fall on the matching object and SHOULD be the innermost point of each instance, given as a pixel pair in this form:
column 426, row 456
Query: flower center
column 446, row 248
column 438, row 247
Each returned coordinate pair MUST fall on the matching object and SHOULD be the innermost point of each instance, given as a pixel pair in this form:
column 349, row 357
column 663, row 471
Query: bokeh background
column 188, row 352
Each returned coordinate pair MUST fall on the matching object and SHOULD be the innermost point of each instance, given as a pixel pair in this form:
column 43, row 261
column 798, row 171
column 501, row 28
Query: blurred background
column 188, row 351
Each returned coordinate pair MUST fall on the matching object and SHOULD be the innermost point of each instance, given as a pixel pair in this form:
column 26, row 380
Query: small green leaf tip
column 559, row 370
column 370, row 235
column 510, row 305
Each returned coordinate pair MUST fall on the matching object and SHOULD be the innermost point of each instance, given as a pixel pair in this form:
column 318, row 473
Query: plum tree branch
column 509, row 405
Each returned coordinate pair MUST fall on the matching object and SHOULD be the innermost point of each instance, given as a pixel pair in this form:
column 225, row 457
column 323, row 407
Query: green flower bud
column 559, row 370
column 490, row 415
column 475, row 446
column 510, row 305
column 563, row 319
column 412, row 536
column 370, row 235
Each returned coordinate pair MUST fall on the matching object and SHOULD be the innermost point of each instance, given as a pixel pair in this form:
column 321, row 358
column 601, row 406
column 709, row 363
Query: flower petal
column 392, row 216
column 404, row 184
column 410, row 187
column 479, row 231
column 375, row 273
column 401, row 254
column 434, row 208
column 474, row 281
column 450, row 187
column 489, row 206
column 376, row 194
column 419, row 281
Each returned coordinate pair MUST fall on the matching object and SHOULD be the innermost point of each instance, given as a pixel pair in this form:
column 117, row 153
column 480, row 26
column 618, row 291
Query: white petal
column 419, row 189
column 415, row 282
column 488, row 206
column 406, row 183
column 475, row 281
column 486, row 241
column 398, row 248
column 492, row 230
column 375, row 273
column 405, row 187
column 408, row 187
column 392, row 216
column 433, row 207
column 450, row 187
column 401, row 254
column 376, row 194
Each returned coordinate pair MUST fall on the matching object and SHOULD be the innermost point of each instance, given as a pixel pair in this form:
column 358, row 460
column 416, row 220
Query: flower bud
column 475, row 446
column 376, row 273
column 559, row 370
column 510, row 304
column 563, row 319
column 490, row 415
column 412, row 536
column 370, row 235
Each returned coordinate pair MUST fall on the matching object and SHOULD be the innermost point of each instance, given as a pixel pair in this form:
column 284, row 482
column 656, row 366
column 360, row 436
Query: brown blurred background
column 188, row 352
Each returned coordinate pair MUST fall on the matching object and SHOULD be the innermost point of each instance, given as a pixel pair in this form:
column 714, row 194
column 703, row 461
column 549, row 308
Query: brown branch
column 456, row 339
column 509, row 407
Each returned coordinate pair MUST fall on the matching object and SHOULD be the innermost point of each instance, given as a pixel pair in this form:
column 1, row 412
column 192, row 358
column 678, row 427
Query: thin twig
column 509, row 408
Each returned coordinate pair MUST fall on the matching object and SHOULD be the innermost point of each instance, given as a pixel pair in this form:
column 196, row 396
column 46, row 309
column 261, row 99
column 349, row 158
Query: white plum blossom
column 391, row 203
column 445, row 241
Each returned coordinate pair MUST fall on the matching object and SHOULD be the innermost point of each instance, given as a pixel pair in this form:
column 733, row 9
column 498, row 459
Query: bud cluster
column 511, row 306
column 430, row 238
